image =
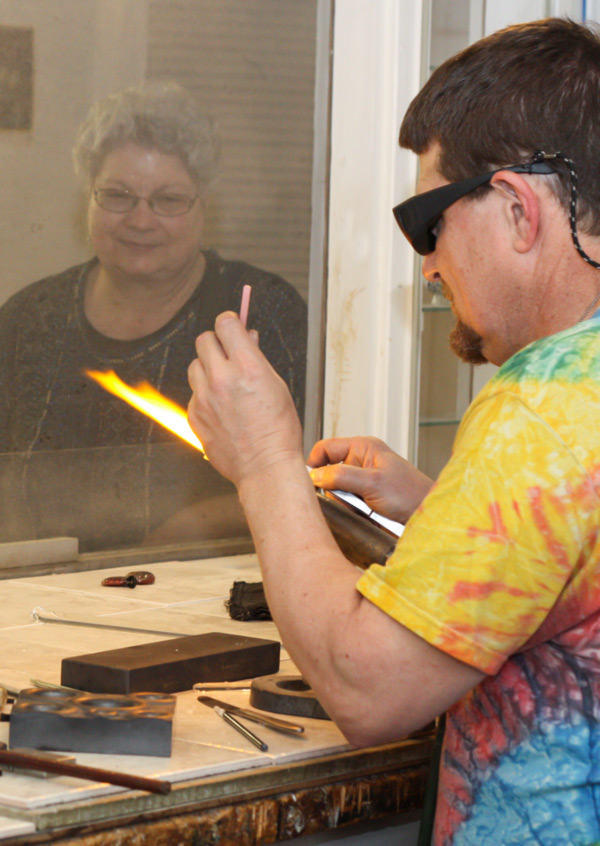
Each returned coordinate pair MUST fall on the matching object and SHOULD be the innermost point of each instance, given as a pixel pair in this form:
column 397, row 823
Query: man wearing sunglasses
column 489, row 608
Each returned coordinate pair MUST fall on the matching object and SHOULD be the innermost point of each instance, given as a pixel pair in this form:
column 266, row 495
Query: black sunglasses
column 418, row 215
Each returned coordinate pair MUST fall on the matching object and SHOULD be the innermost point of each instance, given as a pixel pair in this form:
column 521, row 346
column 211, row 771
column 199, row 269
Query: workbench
column 224, row 790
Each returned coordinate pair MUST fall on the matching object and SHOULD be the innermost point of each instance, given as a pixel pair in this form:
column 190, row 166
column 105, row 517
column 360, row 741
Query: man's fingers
column 233, row 335
column 342, row 477
column 328, row 451
column 228, row 338
column 209, row 347
column 196, row 375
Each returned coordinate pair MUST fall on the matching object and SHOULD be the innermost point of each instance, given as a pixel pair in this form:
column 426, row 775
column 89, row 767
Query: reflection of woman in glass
column 146, row 159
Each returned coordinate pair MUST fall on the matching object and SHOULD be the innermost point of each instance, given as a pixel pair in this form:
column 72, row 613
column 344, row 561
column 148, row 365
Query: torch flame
column 150, row 402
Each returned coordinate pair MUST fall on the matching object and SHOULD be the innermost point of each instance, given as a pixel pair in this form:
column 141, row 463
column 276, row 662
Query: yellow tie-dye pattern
column 495, row 550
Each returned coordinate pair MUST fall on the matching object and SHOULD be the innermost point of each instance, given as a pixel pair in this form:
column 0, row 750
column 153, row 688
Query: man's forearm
column 295, row 547
column 310, row 585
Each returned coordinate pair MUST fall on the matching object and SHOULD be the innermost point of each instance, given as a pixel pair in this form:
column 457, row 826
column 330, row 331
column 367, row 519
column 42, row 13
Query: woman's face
column 140, row 244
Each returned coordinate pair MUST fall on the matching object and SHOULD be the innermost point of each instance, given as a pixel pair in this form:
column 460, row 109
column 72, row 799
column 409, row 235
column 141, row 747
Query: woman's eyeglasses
column 165, row 205
column 417, row 217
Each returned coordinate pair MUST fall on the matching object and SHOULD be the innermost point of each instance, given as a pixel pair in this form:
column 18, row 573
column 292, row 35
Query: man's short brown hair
column 533, row 86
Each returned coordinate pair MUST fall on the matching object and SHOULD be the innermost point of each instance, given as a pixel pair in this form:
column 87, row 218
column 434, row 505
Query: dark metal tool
column 235, row 723
column 261, row 719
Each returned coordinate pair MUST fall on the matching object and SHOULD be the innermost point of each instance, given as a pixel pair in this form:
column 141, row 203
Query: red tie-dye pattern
column 498, row 532
column 584, row 496
column 595, row 479
column 553, row 545
column 577, row 602
column 481, row 590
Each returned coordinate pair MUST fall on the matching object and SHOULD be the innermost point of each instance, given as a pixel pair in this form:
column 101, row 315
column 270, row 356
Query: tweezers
column 261, row 719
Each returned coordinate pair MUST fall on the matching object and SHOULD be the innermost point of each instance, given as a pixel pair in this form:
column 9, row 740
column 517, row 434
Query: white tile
column 188, row 596
column 14, row 828
column 18, row 599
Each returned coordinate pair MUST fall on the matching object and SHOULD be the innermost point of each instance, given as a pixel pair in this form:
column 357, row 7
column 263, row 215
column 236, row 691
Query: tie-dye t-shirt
column 500, row 567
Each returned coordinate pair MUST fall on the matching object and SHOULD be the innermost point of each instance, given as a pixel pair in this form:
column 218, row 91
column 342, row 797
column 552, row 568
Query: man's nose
column 429, row 268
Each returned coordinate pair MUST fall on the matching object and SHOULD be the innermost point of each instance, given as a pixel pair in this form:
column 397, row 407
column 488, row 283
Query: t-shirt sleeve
column 489, row 553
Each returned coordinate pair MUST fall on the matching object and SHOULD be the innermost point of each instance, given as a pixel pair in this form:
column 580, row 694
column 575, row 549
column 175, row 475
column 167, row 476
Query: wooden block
column 171, row 665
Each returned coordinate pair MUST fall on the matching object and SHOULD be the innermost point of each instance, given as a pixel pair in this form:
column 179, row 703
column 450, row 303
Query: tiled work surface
column 210, row 761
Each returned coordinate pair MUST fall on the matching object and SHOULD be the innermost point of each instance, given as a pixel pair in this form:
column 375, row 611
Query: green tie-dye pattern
column 571, row 356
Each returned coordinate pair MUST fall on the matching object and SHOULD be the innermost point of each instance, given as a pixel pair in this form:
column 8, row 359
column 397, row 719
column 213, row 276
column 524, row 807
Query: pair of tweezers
column 261, row 719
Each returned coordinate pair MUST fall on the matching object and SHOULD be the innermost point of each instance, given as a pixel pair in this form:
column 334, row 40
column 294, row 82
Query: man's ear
column 522, row 208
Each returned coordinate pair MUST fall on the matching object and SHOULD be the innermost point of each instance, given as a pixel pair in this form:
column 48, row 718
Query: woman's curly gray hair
column 156, row 115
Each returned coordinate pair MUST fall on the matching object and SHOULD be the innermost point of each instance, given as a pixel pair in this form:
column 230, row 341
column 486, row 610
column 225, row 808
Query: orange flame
column 150, row 402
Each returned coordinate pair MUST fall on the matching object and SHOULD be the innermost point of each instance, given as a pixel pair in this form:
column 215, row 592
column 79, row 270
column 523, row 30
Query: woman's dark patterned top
column 82, row 462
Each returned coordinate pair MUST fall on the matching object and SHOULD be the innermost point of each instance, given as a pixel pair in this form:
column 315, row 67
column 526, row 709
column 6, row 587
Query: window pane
column 129, row 290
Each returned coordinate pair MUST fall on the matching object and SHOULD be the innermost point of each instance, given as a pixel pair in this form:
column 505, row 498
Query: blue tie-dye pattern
column 539, row 795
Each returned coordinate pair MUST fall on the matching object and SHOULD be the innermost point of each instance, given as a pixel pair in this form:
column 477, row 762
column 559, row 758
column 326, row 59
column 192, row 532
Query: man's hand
column 388, row 484
column 240, row 408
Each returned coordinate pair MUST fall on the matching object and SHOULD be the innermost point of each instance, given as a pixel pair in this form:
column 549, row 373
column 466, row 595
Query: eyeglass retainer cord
column 540, row 156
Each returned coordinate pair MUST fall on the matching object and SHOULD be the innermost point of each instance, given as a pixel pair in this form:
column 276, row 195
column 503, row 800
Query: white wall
column 82, row 50
column 369, row 358
column 501, row 14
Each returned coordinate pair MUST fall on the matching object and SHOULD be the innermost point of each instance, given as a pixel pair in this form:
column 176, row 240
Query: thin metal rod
column 44, row 685
column 65, row 621
column 208, row 686
column 27, row 761
column 249, row 735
